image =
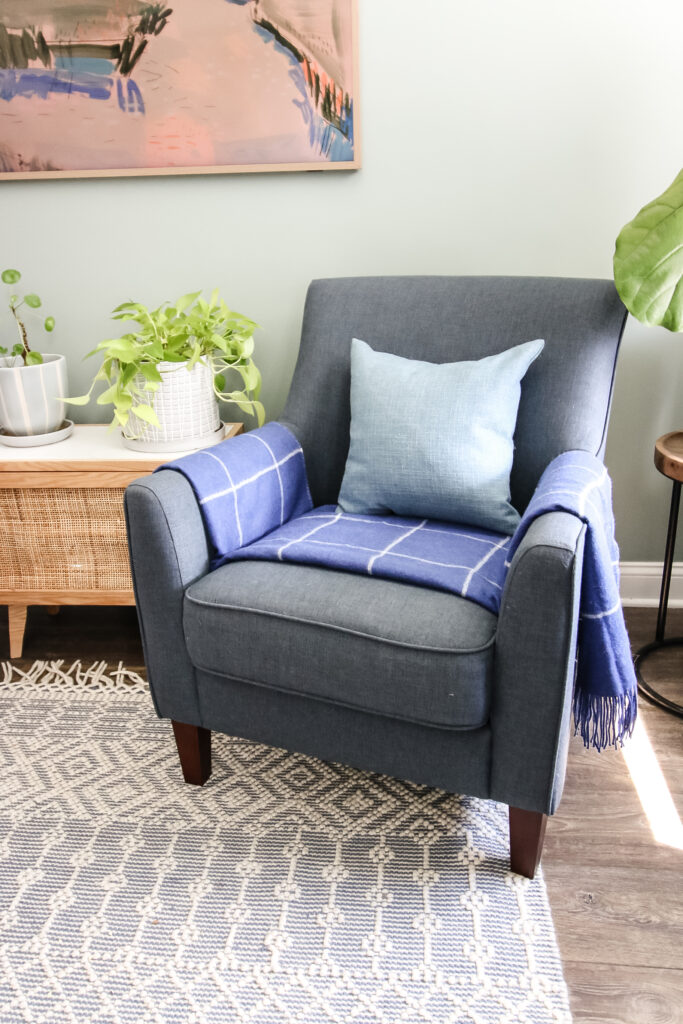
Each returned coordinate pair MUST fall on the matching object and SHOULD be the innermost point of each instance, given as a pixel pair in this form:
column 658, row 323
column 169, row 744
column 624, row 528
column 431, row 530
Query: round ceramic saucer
column 33, row 440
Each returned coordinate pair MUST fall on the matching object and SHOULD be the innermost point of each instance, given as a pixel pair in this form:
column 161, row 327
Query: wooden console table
column 62, row 523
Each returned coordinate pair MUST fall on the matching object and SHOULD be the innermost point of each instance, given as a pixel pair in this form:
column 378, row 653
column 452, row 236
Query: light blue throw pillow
column 434, row 440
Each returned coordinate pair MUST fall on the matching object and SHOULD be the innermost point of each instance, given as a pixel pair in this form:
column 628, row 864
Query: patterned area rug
column 286, row 890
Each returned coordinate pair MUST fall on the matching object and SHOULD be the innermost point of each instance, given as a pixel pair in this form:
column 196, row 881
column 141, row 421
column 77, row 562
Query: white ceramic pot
column 32, row 397
column 186, row 407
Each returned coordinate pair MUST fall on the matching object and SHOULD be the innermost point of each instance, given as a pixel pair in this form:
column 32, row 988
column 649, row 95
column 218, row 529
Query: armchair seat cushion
column 386, row 647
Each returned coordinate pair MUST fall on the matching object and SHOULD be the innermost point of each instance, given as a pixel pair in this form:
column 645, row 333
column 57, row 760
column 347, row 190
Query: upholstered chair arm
column 168, row 551
column 535, row 659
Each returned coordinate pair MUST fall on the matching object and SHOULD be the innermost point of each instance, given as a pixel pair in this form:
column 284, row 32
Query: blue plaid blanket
column 254, row 497
column 247, row 486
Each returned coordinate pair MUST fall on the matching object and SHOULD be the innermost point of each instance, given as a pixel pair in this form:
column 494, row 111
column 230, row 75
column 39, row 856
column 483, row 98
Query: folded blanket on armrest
column 246, row 486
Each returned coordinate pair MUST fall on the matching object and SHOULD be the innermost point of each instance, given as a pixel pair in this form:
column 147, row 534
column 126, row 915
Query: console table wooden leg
column 17, row 624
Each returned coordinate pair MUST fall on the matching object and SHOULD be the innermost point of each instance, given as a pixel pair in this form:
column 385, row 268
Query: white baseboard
column 642, row 581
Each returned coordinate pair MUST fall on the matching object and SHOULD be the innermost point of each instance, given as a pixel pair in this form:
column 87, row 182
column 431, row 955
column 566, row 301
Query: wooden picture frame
column 108, row 88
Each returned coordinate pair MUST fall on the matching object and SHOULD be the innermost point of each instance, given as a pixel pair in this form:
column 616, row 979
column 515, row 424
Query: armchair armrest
column 247, row 486
column 535, row 661
column 168, row 551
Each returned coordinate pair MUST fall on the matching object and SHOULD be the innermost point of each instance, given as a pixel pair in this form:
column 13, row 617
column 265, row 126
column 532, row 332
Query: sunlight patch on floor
column 652, row 789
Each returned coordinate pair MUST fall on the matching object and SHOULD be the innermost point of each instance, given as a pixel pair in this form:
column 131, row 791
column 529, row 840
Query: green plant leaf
column 79, row 400
column 49, row 324
column 150, row 372
column 250, row 376
column 648, row 260
column 246, row 405
column 10, row 276
column 219, row 382
column 146, row 413
column 186, row 300
column 108, row 396
column 33, row 358
column 32, row 300
column 18, row 349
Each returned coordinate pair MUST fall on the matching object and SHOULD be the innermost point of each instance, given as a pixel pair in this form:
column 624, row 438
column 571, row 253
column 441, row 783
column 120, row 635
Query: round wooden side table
column 669, row 461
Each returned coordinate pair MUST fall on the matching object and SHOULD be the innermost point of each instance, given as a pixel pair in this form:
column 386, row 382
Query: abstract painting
column 110, row 87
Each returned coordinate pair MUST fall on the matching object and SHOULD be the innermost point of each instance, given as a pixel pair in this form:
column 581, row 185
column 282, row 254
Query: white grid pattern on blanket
column 234, row 487
column 284, row 543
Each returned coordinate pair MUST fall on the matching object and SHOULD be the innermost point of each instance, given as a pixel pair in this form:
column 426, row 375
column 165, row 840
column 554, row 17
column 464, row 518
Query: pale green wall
column 499, row 137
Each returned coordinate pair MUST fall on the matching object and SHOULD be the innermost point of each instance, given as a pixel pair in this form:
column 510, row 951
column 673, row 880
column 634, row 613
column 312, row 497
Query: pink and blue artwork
column 110, row 87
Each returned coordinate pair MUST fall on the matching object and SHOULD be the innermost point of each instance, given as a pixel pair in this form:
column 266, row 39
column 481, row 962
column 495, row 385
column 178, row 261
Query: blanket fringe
column 604, row 721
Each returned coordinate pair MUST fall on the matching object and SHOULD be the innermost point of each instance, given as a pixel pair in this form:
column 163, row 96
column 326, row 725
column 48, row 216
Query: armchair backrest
column 566, row 393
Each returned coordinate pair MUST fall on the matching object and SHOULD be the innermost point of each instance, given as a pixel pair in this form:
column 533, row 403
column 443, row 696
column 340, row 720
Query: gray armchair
column 351, row 668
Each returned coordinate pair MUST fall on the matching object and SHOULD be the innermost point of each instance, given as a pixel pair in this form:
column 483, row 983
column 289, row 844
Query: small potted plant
column 33, row 386
column 165, row 378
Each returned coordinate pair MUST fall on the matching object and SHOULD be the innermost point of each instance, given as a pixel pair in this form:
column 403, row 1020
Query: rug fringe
column 42, row 677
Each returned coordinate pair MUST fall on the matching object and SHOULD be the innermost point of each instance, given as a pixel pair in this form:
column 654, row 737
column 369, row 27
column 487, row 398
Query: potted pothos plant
column 33, row 385
column 165, row 378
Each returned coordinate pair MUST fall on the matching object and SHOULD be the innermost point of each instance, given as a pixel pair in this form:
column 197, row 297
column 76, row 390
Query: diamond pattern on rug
column 285, row 890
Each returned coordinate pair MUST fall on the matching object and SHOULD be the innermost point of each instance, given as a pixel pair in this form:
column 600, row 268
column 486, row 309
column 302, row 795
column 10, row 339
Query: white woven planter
column 186, row 407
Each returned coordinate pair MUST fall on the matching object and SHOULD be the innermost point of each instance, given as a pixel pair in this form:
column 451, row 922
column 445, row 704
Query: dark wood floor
column 616, row 893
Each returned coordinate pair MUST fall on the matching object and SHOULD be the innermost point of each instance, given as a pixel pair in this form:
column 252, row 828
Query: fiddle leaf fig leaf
column 648, row 260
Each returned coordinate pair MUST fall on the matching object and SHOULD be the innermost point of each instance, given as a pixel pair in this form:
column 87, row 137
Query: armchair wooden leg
column 527, row 832
column 194, row 751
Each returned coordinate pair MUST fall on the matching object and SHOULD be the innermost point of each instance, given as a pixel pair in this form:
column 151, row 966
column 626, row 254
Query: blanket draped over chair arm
column 534, row 664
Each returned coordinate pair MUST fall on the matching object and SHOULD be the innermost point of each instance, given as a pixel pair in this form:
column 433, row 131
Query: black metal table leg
column 659, row 642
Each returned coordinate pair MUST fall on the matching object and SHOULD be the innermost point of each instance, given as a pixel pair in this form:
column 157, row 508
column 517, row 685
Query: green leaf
column 648, row 260
column 49, row 324
column 243, row 403
column 221, row 343
column 146, row 413
column 195, row 357
column 219, row 382
column 18, row 349
column 186, row 300
column 150, row 372
column 79, row 400
column 33, row 358
column 250, row 376
column 32, row 300
column 108, row 396
column 124, row 351
column 10, row 276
